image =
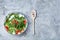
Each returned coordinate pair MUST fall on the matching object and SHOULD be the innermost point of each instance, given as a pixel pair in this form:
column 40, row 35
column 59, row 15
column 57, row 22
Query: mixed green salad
column 15, row 23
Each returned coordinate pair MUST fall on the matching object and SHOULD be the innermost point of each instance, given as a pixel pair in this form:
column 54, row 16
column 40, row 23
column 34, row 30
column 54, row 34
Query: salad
column 15, row 23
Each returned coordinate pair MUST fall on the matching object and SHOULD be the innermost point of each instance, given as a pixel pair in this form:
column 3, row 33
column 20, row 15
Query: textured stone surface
column 47, row 23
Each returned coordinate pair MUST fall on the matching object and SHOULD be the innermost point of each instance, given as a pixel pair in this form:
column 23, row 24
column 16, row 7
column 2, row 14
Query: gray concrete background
column 47, row 23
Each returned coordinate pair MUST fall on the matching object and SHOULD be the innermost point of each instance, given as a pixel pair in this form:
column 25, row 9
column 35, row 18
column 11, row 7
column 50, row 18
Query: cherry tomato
column 7, row 28
column 24, row 21
column 18, row 31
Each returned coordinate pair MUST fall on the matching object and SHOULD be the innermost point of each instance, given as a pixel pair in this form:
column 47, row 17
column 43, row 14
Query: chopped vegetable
column 18, row 31
column 7, row 28
column 24, row 21
column 16, row 23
